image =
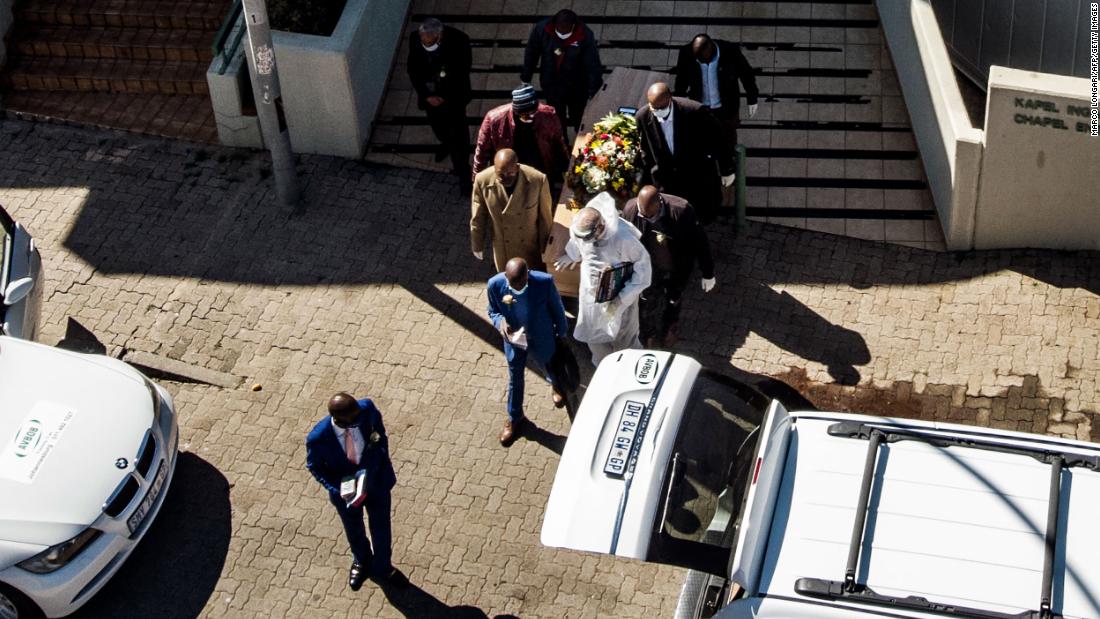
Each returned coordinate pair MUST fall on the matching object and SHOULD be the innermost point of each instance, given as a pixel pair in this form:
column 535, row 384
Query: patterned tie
column 349, row 446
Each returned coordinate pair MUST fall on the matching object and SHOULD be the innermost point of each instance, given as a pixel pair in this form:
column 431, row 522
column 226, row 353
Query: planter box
column 332, row 86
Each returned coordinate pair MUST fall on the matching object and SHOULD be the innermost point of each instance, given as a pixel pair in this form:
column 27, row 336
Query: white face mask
column 517, row 292
column 430, row 48
column 564, row 36
column 661, row 114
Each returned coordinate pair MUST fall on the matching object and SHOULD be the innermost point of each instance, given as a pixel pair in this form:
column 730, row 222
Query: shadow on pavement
column 416, row 603
column 546, row 438
column 167, row 208
column 174, row 569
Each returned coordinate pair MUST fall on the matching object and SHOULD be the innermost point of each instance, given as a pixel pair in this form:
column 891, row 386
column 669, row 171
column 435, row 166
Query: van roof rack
column 850, row 590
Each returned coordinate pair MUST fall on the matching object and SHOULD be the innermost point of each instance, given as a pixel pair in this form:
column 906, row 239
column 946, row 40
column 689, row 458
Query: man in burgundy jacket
column 530, row 128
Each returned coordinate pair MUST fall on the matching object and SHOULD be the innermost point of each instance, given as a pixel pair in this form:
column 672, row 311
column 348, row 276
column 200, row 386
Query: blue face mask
column 517, row 292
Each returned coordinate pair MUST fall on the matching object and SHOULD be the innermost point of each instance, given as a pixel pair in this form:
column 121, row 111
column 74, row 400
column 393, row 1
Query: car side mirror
column 17, row 290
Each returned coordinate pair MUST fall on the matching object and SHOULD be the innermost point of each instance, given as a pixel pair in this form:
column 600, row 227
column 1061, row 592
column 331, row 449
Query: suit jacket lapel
column 518, row 192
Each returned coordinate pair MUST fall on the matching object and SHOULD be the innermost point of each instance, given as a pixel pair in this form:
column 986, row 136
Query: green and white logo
column 28, row 438
column 34, row 441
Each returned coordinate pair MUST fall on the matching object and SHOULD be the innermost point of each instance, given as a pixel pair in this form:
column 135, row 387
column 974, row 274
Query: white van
column 823, row 515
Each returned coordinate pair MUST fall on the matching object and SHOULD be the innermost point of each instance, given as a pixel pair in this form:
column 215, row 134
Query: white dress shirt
column 666, row 128
column 711, row 97
column 356, row 439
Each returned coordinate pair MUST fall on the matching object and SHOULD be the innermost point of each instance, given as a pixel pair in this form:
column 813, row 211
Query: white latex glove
column 480, row 255
column 565, row 262
column 612, row 307
column 752, row 110
column 708, row 284
column 728, row 180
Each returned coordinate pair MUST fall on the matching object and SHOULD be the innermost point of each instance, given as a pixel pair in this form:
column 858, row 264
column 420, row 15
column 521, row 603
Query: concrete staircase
column 830, row 149
column 126, row 64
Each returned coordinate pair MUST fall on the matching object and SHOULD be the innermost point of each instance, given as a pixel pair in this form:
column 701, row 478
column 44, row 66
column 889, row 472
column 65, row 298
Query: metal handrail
column 218, row 47
column 740, row 194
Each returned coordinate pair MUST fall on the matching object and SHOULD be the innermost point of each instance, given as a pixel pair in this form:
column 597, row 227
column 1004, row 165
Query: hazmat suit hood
column 620, row 243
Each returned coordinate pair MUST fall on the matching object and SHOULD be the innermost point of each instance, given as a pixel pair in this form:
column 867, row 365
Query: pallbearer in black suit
column 439, row 68
column 675, row 241
column 712, row 73
column 564, row 52
column 684, row 150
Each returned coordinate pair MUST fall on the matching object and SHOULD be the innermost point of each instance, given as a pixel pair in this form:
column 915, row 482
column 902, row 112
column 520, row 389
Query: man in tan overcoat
column 515, row 200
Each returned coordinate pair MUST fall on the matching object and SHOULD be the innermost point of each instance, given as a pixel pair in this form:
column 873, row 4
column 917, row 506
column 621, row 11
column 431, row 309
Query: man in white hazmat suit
column 600, row 238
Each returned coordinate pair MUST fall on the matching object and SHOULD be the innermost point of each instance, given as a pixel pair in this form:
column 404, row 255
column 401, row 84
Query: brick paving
column 178, row 250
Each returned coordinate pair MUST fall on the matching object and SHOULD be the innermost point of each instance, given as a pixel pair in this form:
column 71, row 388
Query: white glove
column 565, row 262
column 752, row 109
column 480, row 255
column 708, row 284
column 612, row 307
column 728, row 180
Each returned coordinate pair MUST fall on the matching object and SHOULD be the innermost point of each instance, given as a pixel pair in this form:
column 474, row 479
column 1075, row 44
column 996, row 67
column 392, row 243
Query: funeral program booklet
column 353, row 487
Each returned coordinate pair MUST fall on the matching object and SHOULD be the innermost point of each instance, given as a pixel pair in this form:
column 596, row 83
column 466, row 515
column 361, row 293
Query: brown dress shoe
column 509, row 433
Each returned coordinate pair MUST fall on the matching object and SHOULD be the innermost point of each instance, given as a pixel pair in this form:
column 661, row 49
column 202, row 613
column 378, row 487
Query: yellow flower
column 508, row 299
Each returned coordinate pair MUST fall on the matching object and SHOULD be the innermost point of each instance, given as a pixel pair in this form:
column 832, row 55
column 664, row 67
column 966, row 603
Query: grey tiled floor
column 829, row 90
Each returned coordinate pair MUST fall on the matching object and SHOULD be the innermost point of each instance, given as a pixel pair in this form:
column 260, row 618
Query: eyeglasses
column 591, row 234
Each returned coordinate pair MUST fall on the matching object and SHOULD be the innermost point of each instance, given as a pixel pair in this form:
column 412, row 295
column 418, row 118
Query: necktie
column 349, row 446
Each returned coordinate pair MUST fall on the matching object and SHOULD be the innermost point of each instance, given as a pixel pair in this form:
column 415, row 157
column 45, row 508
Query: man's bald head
column 516, row 272
column 659, row 96
column 506, row 165
column 649, row 201
column 702, row 47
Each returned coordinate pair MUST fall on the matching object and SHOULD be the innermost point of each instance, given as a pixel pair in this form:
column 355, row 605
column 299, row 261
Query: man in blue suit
column 526, row 308
column 352, row 439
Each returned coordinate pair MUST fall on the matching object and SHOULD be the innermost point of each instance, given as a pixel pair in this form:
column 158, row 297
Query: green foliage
column 305, row 16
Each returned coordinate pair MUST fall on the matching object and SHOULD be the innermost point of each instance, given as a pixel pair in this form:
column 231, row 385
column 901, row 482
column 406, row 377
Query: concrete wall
column 6, row 20
column 234, row 127
column 950, row 147
column 332, row 86
column 1040, row 176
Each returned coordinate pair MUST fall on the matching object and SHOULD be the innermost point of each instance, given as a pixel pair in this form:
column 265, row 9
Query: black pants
column 730, row 118
column 448, row 123
column 570, row 111
column 660, row 308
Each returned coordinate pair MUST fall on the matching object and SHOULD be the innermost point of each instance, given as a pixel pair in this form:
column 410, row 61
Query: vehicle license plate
column 150, row 497
column 625, row 435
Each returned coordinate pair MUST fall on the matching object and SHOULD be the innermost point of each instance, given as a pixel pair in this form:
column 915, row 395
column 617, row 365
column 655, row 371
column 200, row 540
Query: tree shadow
column 174, row 569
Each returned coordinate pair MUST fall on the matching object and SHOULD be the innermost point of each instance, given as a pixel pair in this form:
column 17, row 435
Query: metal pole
column 741, row 195
column 269, row 102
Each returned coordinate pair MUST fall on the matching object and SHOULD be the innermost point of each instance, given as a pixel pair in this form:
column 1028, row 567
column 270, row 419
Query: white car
column 88, row 452
column 20, row 279
column 824, row 515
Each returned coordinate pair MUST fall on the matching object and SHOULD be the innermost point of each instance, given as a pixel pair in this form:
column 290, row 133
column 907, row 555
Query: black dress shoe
column 356, row 576
column 394, row 579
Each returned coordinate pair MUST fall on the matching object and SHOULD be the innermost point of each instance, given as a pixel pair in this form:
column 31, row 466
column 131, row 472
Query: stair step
column 158, row 14
column 112, row 76
column 187, row 117
column 110, row 43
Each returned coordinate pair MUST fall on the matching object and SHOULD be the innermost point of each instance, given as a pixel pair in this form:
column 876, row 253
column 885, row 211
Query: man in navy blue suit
column 352, row 441
column 526, row 308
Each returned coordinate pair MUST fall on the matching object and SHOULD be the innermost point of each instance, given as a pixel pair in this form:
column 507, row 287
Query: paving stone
column 181, row 251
